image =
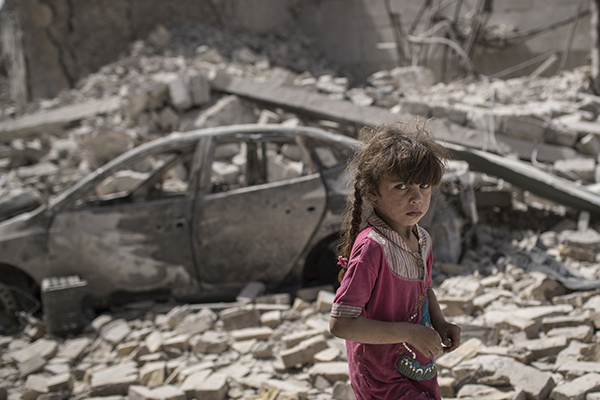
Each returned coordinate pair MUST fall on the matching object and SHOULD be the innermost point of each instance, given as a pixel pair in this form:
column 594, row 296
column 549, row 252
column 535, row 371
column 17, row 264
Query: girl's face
column 400, row 205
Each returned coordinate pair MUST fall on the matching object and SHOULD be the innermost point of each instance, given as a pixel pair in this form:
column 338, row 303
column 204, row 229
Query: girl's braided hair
column 405, row 149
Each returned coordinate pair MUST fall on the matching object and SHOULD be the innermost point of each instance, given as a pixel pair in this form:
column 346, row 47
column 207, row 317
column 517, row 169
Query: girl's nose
column 415, row 194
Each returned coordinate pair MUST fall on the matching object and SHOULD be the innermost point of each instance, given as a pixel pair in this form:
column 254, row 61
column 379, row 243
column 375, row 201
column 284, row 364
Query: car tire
column 323, row 268
column 8, row 303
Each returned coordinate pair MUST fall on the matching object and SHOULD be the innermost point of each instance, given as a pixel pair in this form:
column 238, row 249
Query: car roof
column 180, row 139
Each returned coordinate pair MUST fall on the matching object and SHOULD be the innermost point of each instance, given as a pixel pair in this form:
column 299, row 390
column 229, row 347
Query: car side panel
column 133, row 247
column 258, row 232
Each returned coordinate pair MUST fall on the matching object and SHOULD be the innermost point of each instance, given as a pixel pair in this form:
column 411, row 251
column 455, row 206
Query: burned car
column 188, row 213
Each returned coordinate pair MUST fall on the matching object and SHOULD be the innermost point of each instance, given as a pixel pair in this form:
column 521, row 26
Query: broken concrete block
column 210, row 342
column 542, row 288
column 32, row 365
column 419, row 76
column 291, row 389
column 577, row 388
column 60, row 383
column 168, row 119
column 268, row 117
column 193, row 369
column 115, row 331
column 588, row 239
column 262, row 351
column 593, row 303
column 126, row 348
column 259, row 333
column 581, row 333
column 200, row 89
column 228, row 110
column 135, row 392
column 250, row 292
column 329, row 84
column 549, row 323
column 196, row 323
column 114, row 380
column 342, row 391
column 324, row 301
column 278, row 298
column 465, row 351
column 152, row 374
column 154, row 341
column 213, row 388
column 589, row 352
column 544, row 347
column 193, row 381
column 106, row 144
column 454, row 306
column 42, row 348
column 176, row 315
column 240, row 317
column 119, row 182
column 35, row 385
column 74, row 349
column 293, row 339
column 584, row 168
column 168, row 392
column 100, row 321
column 176, row 342
column 179, row 93
column 359, row 97
column 574, row 299
column 303, row 352
column 244, row 346
column 447, row 386
column 310, row 294
column 487, row 334
column 526, row 128
column 328, row 355
column 535, row 383
column 478, row 391
column 332, row 371
column 574, row 369
column 577, row 253
column 56, row 119
column 589, row 144
column 272, row 319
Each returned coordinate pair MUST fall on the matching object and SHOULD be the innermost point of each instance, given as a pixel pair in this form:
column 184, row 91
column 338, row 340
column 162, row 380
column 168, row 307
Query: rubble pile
column 164, row 85
column 530, row 327
column 523, row 337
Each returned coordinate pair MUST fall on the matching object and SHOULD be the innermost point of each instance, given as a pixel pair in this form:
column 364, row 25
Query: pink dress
column 385, row 281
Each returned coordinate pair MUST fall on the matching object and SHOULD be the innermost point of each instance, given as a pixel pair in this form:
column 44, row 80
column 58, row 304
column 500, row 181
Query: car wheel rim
column 8, row 305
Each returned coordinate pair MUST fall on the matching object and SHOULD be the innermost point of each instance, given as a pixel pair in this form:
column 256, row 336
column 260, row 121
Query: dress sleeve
column 356, row 287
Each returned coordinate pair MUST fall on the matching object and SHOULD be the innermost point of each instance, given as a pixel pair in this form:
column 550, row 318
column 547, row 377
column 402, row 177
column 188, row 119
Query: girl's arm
column 449, row 333
column 365, row 330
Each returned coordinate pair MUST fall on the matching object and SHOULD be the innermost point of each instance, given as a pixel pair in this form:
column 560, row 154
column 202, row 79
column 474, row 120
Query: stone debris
column 137, row 350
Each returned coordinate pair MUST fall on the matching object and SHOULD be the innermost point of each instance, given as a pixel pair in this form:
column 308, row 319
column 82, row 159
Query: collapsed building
column 515, row 223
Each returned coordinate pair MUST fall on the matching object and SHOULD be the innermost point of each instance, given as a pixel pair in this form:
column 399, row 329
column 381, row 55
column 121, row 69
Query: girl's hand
column 426, row 340
column 450, row 335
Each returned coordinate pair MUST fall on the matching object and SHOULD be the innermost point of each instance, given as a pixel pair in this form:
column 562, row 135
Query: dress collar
column 376, row 222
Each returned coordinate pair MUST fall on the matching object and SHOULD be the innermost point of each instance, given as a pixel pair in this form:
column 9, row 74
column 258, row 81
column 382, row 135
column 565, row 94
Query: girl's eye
column 401, row 186
column 424, row 186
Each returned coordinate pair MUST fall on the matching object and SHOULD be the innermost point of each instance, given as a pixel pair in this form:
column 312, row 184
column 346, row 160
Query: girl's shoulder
column 367, row 244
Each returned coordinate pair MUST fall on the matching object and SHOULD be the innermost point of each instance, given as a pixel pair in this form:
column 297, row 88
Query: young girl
column 385, row 307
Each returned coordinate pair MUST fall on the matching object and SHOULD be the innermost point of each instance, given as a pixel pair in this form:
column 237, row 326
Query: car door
column 131, row 231
column 264, row 201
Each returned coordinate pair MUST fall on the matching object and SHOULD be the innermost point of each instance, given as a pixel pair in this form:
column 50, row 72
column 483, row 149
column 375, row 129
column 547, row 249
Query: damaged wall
column 64, row 40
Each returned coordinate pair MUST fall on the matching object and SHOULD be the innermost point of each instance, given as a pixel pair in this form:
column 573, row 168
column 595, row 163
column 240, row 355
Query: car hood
column 26, row 224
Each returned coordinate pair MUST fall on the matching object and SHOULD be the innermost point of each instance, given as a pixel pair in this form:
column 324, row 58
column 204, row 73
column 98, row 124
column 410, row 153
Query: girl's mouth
column 414, row 214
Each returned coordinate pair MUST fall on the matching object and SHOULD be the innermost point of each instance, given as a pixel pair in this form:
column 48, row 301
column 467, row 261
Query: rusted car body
column 198, row 211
